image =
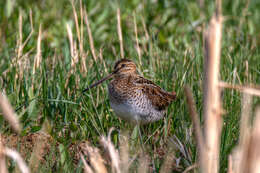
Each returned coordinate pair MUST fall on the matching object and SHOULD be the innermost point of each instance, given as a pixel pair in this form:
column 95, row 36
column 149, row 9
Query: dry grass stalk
column 190, row 168
column 240, row 153
column 38, row 57
column 73, row 47
column 74, row 55
column 246, row 72
column 113, row 153
column 119, row 31
column 81, row 27
column 253, row 156
column 145, row 30
column 21, row 44
column 16, row 157
column 96, row 162
column 77, row 23
column 147, row 37
column 91, row 42
column 253, row 90
column 245, row 119
column 83, row 54
column 83, row 66
column 239, row 161
column 79, row 30
column 102, row 59
column 20, row 39
column 3, row 168
column 87, row 168
column 230, row 164
column 196, row 123
column 137, row 41
column 243, row 17
column 9, row 114
column 246, row 157
column 212, row 104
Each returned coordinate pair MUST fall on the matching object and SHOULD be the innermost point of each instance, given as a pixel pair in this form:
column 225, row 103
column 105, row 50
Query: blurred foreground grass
column 170, row 37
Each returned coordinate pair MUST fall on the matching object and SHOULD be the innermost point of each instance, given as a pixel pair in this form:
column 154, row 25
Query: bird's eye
column 123, row 65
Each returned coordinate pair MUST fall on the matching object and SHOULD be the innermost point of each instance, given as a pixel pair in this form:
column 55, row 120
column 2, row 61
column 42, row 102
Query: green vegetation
column 171, row 56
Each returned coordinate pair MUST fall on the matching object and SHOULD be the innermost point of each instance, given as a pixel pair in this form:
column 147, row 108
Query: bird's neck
column 125, row 75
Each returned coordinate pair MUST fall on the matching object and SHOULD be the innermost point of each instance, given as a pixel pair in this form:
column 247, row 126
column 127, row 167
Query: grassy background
column 172, row 57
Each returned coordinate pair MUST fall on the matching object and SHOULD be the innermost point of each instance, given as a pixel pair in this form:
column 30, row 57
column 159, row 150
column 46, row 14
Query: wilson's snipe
column 133, row 97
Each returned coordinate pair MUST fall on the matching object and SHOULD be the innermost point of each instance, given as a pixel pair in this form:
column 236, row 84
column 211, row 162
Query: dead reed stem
column 196, row 123
column 145, row 30
column 230, row 164
column 211, row 100
column 76, row 23
column 9, row 114
column 245, row 89
column 20, row 39
column 137, row 41
column 91, row 42
column 95, row 161
column 190, row 168
column 87, row 168
column 81, row 27
column 119, row 31
column 79, row 30
column 239, row 156
column 251, row 153
column 74, row 55
column 37, row 59
column 21, row 44
column 16, row 157
column 73, row 49
column 3, row 168
column 102, row 59
column 245, row 119
column 113, row 153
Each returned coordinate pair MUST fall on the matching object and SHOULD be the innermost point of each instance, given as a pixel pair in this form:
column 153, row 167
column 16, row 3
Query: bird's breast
column 132, row 105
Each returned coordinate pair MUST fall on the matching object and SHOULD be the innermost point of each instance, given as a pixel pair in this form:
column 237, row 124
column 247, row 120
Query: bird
column 133, row 97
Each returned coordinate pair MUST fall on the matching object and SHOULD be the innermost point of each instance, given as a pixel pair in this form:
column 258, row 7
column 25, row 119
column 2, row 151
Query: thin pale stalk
column 37, row 58
column 87, row 168
column 252, row 90
column 91, row 42
column 137, row 41
column 119, row 31
column 9, row 114
column 196, row 123
column 76, row 22
column 17, row 157
column 211, row 90
column 3, row 168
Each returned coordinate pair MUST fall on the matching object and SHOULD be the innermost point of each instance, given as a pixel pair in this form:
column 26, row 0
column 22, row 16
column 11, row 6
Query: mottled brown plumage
column 133, row 97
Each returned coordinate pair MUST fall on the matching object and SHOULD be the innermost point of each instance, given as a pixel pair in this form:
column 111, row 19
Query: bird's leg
column 141, row 139
column 140, row 135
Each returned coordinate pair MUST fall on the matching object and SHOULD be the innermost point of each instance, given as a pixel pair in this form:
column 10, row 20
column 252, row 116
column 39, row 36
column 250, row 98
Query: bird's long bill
column 98, row 82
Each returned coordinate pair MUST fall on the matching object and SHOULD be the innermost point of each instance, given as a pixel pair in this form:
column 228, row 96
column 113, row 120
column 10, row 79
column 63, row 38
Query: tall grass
column 50, row 54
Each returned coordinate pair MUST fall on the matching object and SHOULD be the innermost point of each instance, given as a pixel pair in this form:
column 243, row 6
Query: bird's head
column 124, row 67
